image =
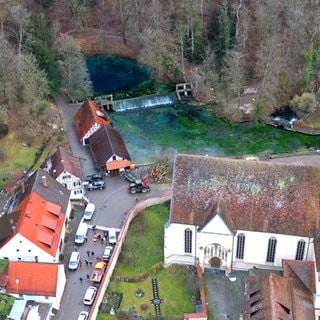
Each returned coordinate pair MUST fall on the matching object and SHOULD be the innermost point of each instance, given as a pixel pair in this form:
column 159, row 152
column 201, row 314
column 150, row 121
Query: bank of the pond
column 151, row 133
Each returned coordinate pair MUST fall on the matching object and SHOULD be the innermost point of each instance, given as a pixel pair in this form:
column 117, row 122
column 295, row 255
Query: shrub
column 144, row 307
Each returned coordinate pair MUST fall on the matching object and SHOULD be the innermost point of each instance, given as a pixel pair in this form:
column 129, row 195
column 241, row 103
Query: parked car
column 94, row 177
column 107, row 253
column 130, row 176
column 96, row 185
column 83, row 315
column 89, row 296
column 89, row 211
column 74, row 260
column 112, row 236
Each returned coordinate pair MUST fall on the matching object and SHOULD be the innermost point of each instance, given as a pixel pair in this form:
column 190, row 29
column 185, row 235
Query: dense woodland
column 221, row 46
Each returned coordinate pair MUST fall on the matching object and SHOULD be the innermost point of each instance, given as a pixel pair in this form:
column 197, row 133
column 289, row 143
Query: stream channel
column 150, row 133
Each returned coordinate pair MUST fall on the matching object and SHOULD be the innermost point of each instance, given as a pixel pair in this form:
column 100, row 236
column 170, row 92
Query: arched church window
column 300, row 250
column 272, row 244
column 241, row 239
column 187, row 240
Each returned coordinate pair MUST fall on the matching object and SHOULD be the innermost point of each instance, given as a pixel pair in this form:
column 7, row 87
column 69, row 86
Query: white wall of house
column 21, row 249
column 114, row 158
column 60, row 285
column 256, row 248
column 90, row 132
column 220, row 238
column 174, row 244
column 72, row 183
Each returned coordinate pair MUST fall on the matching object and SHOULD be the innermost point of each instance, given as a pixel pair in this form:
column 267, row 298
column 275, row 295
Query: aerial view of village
column 160, row 160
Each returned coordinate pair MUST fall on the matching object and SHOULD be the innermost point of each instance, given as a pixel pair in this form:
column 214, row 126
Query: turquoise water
column 152, row 133
column 114, row 74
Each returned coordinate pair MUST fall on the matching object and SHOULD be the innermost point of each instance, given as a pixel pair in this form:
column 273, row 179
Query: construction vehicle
column 141, row 185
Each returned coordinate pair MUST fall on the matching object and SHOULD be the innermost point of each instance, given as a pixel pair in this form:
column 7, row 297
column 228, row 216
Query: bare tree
column 7, row 73
column 233, row 73
column 4, row 12
column 20, row 17
column 76, row 81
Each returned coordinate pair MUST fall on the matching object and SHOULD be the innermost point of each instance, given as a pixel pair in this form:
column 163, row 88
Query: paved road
column 112, row 204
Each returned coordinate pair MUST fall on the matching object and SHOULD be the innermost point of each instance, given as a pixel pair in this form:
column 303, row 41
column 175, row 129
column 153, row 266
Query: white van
column 74, row 260
column 112, row 236
column 89, row 296
column 81, row 233
column 89, row 211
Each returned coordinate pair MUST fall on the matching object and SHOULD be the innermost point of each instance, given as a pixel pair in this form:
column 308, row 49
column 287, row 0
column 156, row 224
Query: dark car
column 94, row 177
column 130, row 176
column 96, row 185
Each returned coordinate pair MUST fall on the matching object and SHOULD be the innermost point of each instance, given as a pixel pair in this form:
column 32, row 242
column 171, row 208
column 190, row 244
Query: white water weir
column 184, row 91
column 145, row 102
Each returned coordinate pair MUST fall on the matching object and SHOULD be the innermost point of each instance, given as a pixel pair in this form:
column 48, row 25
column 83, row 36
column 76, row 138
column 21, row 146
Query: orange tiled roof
column 256, row 195
column 41, row 222
column 32, row 278
column 88, row 115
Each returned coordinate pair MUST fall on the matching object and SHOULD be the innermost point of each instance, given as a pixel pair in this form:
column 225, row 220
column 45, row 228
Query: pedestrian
column 97, row 258
column 90, row 263
column 75, row 249
column 88, row 253
column 92, row 253
column 80, row 279
column 88, row 277
column 80, row 263
column 94, row 227
column 86, row 261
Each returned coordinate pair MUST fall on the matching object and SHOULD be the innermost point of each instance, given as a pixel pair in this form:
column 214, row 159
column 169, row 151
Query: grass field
column 142, row 257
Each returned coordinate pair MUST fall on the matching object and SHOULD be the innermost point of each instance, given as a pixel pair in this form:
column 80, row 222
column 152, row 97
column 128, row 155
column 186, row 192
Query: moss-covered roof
column 256, row 195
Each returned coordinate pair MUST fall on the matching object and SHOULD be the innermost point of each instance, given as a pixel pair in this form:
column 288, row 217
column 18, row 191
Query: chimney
column 265, row 224
column 44, row 181
column 191, row 220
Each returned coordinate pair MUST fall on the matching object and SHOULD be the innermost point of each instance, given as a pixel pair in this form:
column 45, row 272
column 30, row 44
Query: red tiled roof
column 41, row 222
column 270, row 296
column 256, row 195
column 88, row 115
column 32, row 278
column 302, row 272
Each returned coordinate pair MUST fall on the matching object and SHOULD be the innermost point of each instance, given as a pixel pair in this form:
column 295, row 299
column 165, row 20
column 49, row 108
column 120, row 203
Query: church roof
column 256, row 195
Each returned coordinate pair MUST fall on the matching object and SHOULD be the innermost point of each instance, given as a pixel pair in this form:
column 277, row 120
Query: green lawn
column 142, row 257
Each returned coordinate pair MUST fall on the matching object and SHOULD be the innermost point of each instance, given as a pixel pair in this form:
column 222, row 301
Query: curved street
column 112, row 204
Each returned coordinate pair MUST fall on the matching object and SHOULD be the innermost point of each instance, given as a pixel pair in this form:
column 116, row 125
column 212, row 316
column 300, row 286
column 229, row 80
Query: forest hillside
column 223, row 47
